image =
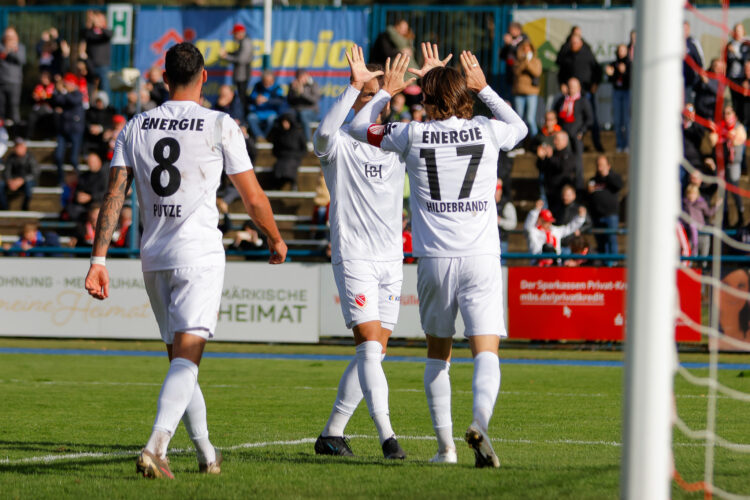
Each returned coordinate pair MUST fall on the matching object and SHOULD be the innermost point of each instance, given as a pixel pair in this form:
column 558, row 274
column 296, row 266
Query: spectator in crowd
column 406, row 236
column 98, row 121
column 694, row 54
column 31, row 237
column 707, row 89
column 604, row 204
column 417, row 113
column 507, row 218
column 743, row 110
column 396, row 39
column 228, row 102
column 289, row 147
column 575, row 117
column 509, row 51
column 121, row 236
column 67, row 101
column 579, row 245
column 131, row 109
column 697, row 210
column 303, row 98
column 619, row 76
column 242, row 59
column 542, row 235
column 266, row 103
column 248, row 239
column 41, row 114
column 557, row 164
column 579, row 62
column 567, row 212
column 157, row 90
column 692, row 137
column 91, row 188
column 95, row 46
column 527, row 71
column 88, row 81
column 118, row 123
column 52, row 52
column 547, row 133
column 12, row 59
column 730, row 136
column 86, row 228
column 399, row 109
column 67, row 197
column 736, row 52
column 21, row 173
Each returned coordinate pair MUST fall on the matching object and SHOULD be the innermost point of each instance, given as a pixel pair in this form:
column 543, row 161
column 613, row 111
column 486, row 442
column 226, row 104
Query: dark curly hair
column 445, row 90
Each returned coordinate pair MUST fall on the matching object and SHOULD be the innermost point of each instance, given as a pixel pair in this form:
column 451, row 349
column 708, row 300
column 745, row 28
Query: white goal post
column 653, row 210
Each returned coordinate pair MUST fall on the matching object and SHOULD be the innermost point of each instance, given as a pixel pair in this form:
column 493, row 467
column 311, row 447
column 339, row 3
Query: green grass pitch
column 72, row 426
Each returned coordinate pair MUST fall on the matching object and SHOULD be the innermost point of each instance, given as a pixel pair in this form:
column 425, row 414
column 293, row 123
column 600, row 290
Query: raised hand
column 431, row 59
column 475, row 79
column 360, row 73
column 394, row 74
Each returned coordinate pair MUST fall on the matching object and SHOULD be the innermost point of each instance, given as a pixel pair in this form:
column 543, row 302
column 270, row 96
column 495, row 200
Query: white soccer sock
column 486, row 385
column 347, row 399
column 197, row 426
column 437, row 387
column 176, row 392
column 374, row 386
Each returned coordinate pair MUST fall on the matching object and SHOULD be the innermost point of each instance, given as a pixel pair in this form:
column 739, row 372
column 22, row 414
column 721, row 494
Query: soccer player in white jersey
column 452, row 167
column 366, row 186
column 176, row 154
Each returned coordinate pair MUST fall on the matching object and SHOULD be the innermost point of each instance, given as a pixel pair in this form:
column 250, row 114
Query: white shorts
column 185, row 299
column 369, row 291
column 472, row 284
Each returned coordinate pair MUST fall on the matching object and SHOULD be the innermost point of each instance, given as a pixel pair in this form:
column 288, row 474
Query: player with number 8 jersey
column 452, row 166
column 176, row 153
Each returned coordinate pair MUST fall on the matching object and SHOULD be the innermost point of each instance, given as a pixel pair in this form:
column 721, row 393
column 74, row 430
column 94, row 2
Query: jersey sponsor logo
column 373, row 171
column 441, row 207
column 375, row 134
column 360, row 300
column 168, row 125
column 451, row 136
column 394, row 298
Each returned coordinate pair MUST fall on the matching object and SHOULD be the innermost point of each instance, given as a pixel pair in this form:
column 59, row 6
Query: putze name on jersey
column 440, row 207
column 167, row 124
column 373, row 171
column 167, row 210
column 451, row 136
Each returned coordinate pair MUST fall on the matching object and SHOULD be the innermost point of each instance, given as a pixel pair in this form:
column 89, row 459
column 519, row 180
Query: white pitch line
column 46, row 459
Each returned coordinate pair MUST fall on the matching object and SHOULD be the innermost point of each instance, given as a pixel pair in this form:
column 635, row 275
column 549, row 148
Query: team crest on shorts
column 360, row 299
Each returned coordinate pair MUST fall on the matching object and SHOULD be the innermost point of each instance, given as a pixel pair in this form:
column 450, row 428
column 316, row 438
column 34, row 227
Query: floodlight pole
column 652, row 250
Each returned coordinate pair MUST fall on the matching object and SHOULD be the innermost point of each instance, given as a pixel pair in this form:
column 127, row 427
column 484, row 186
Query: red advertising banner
column 582, row 303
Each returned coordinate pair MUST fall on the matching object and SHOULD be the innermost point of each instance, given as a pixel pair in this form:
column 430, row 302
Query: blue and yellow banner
column 315, row 39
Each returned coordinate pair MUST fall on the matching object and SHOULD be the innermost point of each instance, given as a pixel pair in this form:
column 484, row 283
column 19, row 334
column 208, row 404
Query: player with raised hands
column 452, row 167
column 366, row 186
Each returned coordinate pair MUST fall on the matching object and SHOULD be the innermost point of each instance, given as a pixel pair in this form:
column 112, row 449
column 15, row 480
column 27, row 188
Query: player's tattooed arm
column 120, row 179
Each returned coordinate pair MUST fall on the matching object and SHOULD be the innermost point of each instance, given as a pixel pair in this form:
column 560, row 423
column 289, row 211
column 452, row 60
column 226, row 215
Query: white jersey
column 366, row 186
column 177, row 152
column 452, row 166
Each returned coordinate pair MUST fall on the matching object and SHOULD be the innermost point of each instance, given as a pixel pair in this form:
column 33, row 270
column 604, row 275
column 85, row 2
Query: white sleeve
column 509, row 217
column 569, row 228
column 394, row 137
column 233, row 146
column 120, row 157
column 531, row 219
column 510, row 128
column 325, row 135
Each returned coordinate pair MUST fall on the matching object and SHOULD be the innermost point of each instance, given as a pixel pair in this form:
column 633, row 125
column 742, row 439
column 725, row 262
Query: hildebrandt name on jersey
column 441, row 207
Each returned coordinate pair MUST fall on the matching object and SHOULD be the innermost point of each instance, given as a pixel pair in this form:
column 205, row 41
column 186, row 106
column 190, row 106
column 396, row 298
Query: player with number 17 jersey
column 452, row 166
column 177, row 151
